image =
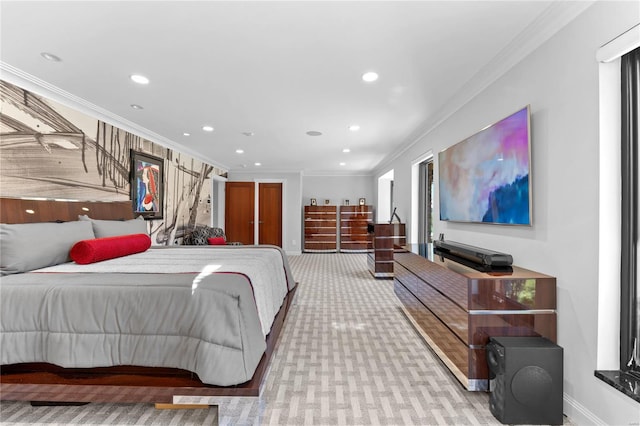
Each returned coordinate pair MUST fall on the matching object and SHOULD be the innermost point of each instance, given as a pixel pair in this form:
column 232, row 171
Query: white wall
column 560, row 81
column 337, row 189
column 217, row 201
column 291, row 200
column 298, row 191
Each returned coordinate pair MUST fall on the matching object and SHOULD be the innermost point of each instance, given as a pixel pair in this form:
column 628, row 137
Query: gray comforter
column 209, row 320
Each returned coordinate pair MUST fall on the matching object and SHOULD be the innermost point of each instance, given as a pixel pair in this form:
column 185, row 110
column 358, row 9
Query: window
column 425, row 201
column 629, row 286
column 619, row 230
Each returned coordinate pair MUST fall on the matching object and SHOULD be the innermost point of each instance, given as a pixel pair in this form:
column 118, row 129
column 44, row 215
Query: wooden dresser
column 456, row 308
column 384, row 237
column 320, row 229
column 354, row 237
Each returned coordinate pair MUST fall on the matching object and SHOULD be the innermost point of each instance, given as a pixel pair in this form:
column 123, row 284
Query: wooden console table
column 456, row 308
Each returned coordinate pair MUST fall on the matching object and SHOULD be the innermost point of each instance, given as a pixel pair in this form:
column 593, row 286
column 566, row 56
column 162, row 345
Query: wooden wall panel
column 19, row 210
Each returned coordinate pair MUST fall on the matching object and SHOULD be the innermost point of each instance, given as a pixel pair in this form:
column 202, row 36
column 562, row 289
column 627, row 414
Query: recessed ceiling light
column 354, row 127
column 186, row 134
column 346, row 150
column 370, row 76
column 343, row 164
column 136, row 106
column 314, row 133
column 50, row 57
column 140, row 79
column 257, row 164
column 207, row 128
column 239, row 151
column 248, row 133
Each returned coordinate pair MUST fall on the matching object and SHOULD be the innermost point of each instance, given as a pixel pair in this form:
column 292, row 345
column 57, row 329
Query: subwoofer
column 526, row 376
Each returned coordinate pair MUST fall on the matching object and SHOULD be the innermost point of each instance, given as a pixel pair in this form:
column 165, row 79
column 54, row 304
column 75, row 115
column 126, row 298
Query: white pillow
column 113, row 228
column 28, row 246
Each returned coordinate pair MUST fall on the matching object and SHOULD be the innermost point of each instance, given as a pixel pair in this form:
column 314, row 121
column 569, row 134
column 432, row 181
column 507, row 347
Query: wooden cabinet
column 354, row 237
column 320, row 229
column 456, row 308
column 384, row 237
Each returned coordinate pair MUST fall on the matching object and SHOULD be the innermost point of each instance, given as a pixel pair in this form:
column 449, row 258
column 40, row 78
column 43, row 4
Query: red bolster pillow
column 99, row 249
column 216, row 241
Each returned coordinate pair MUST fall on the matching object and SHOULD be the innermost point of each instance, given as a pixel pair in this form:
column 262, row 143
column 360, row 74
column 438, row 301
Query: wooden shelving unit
column 354, row 237
column 320, row 229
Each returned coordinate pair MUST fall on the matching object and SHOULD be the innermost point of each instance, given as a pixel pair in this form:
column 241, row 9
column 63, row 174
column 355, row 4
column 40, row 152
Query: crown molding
column 619, row 46
column 40, row 87
column 260, row 171
column 331, row 173
column 305, row 173
column 555, row 17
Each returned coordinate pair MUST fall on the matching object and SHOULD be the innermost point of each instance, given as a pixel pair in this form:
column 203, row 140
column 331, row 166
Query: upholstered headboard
column 24, row 210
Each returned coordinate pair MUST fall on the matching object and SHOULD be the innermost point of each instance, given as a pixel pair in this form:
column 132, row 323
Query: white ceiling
column 277, row 69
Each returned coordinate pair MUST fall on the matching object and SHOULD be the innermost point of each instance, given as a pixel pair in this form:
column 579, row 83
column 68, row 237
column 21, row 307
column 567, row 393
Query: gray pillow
column 112, row 228
column 28, row 246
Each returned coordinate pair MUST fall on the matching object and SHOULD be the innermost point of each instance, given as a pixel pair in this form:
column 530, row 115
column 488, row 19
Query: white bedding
column 156, row 309
column 269, row 288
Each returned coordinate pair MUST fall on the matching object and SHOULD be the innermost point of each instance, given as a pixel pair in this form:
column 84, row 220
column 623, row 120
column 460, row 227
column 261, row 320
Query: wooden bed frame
column 124, row 384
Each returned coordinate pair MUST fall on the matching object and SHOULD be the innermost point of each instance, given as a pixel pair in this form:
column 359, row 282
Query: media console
column 456, row 308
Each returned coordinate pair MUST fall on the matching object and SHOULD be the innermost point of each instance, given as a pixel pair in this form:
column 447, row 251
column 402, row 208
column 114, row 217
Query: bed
column 142, row 327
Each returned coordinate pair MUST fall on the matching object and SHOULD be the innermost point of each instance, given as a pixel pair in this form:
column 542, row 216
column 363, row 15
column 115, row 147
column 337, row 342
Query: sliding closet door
column 239, row 211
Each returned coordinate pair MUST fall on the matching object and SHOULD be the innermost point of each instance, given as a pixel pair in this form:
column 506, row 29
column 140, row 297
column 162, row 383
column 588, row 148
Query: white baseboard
column 579, row 414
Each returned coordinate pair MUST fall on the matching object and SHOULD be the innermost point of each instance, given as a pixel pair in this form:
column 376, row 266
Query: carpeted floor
column 22, row 413
column 347, row 356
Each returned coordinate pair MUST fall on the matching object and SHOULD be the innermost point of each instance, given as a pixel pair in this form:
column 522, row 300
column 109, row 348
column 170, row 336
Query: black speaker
column 525, row 380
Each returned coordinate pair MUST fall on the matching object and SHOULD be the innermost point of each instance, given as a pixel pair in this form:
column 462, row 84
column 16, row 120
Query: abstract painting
column 485, row 178
column 147, row 181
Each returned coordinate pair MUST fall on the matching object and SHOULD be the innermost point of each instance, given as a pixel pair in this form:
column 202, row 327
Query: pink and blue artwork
column 485, row 178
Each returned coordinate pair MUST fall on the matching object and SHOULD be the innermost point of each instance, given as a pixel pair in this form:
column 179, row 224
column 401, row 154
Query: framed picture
column 147, row 186
column 362, row 201
column 314, row 202
column 327, row 202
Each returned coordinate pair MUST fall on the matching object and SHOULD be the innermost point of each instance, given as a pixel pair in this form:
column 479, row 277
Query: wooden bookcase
column 320, row 229
column 354, row 237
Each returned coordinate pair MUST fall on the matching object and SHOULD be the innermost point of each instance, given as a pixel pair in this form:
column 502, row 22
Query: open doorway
column 385, row 197
column 425, row 201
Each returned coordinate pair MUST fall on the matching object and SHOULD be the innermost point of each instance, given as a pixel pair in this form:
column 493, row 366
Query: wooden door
column 270, row 213
column 239, row 209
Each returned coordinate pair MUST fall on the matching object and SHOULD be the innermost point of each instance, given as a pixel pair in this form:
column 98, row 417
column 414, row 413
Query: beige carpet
column 347, row 356
column 22, row 413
